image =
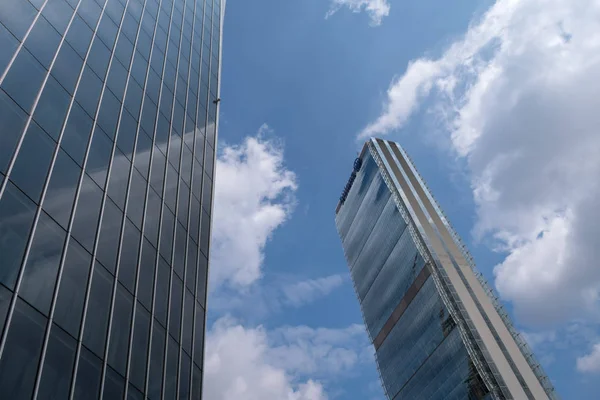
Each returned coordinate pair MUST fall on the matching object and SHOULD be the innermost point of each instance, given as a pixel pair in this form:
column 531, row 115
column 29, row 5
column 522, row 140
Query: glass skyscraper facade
column 108, row 122
column 437, row 330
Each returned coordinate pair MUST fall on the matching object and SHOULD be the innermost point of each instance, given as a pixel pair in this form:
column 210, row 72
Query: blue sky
column 494, row 102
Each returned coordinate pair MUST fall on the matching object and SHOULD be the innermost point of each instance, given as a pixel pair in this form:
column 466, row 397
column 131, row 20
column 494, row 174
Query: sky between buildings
column 497, row 105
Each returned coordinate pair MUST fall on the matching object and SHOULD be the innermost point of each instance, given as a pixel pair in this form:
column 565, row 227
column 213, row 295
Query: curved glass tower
column 108, row 124
column 437, row 330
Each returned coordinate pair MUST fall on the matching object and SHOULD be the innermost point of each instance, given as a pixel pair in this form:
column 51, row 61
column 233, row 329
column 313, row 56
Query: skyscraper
column 108, row 123
column 437, row 329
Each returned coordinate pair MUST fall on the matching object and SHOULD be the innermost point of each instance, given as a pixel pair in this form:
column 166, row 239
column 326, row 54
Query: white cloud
column 307, row 291
column 254, row 195
column 590, row 362
column 254, row 364
column 377, row 9
column 519, row 98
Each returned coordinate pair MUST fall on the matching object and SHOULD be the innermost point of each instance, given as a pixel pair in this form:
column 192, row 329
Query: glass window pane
column 16, row 218
column 171, row 187
column 67, row 67
column 79, row 36
column 190, row 270
column 153, row 85
column 71, row 293
column 137, row 194
column 99, row 157
column 130, row 26
column 30, row 169
column 94, row 335
column 139, row 349
column 117, row 77
column 126, row 136
column 115, row 10
column 196, row 382
column 58, row 12
column 114, row 385
column 199, row 335
column 167, row 234
column 156, row 363
column 110, row 232
column 24, row 79
column 205, row 232
column 142, row 154
column 98, row 58
column 124, row 50
column 109, row 111
column 146, row 275
column 5, row 296
column 60, row 195
column 88, row 93
column 134, row 394
column 158, row 171
column 184, row 377
column 201, row 285
column 41, row 269
column 43, row 41
column 175, row 309
column 107, row 31
column 19, row 362
column 129, row 256
column 183, row 208
column 12, row 120
column 52, row 108
column 58, row 365
column 152, row 217
column 119, row 177
column 86, row 215
column 179, row 251
column 17, row 15
column 188, row 322
column 133, row 99
column 162, row 292
column 139, row 67
column 77, row 133
column 87, row 382
column 121, row 326
column 194, row 219
column 171, row 376
column 90, row 11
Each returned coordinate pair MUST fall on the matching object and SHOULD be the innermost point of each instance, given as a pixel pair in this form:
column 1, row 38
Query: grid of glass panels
column 107, row 134
column 422, row 354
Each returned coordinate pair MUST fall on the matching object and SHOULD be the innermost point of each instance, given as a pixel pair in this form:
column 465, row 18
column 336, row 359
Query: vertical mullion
column 105, row 195
column 133, row 312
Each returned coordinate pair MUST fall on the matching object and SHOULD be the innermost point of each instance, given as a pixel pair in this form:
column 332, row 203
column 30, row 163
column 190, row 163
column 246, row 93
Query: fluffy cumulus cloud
column 377, row 9
column 590, row 362
column 254, row 195
column 518, row 95
column 254, row 364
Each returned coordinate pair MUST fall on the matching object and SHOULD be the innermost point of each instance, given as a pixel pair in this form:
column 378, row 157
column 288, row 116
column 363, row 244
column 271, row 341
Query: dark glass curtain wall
column 107, row 138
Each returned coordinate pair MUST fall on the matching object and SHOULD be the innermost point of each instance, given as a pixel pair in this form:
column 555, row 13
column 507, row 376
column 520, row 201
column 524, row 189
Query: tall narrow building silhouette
column 437, row 328
column 108, row 125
